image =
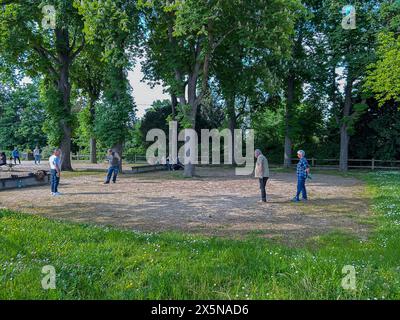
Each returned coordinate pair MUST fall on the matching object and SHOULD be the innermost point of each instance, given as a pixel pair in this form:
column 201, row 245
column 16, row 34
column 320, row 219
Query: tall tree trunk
column 93, row 141
column 93, row 150
column 118, row 147
column 192, row 100
column 288, row 109
column 64, row 88
column 174, row 103
column 344, row 135
column 232, row 122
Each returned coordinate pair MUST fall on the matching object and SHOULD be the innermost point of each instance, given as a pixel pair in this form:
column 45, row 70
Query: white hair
column 302, row 152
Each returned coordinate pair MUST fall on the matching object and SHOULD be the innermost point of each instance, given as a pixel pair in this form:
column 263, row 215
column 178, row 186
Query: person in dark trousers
column 261, row 172
column 36, row 155
column 114, row 160
column 3, row 159
column 55, row 171
column 15, row 155
column 302, row 171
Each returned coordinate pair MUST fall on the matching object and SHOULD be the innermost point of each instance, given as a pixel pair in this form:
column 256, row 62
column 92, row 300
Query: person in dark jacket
column 113, row 160
column 3, row 159
column 15, row 155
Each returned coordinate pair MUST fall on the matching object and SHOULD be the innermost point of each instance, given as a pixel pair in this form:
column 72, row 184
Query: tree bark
column 64, row 87
column 93, row 141
column 93, row 150
column 174, row 103
column 192, row 100
column 118, row 148
column 288, row 109
column 344, row 135
column 65, row 56
column 232, row 122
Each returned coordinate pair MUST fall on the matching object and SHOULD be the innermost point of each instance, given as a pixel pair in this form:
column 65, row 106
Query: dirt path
column 215, row 203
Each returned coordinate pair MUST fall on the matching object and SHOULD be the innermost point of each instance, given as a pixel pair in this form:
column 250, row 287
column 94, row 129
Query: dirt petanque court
column 215, row 202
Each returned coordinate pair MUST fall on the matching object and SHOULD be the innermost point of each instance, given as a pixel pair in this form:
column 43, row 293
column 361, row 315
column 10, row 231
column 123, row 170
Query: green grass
column 104, row 263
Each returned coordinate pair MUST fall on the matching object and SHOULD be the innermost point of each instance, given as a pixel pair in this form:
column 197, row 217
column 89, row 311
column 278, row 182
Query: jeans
column 37, row 159
column 15, row 160
column 301, row 188
column 263, row 183
column 54, row 181
column 112, row 171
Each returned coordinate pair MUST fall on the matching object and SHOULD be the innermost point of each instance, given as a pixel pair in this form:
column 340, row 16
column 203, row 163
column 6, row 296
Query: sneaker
column 304, row 200
column 106, row 182
column 295, row 200
column 53, row 194
column 57, row 194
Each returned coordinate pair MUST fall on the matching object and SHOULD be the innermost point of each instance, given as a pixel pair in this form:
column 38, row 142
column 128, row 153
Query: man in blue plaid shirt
column 303, row 170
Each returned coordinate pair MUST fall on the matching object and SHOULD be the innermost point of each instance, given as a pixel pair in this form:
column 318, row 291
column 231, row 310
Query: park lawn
column 95, row 262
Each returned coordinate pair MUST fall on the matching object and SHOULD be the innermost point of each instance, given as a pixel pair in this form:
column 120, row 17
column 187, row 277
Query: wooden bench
column 8, row 166
column 149, row 168
column 30, row 180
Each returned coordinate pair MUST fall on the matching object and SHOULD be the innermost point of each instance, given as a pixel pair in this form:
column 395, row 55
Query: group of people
column 261, row 172
column 113, row 158
column 15, row 156
column 303, row 173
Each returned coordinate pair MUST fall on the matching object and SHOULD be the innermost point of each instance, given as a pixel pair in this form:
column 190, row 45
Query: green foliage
column 22, row 116
column 52, row 99
column 384, row 75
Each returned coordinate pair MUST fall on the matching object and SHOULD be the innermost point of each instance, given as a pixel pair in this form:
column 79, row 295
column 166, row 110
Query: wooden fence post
column 313, row 162
column 373, row 164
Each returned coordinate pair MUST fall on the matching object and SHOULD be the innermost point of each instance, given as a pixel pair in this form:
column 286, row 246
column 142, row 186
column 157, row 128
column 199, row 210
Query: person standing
column 15, row 155
column 261, row 172
column 303, row 170
column 36, row 155
column 55, row 171
column 3, row 159
column 113, row 169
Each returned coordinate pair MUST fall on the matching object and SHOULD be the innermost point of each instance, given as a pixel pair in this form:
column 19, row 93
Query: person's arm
column 57, row 166
column 307, row 166
column 262, row 168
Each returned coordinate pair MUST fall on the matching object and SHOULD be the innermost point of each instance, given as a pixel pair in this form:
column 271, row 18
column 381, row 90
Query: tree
column 21, row 117
column 348, row 50
column 115, row 26
column 384, row 75
column 48, row 50
column 191, row 31
column 89, row 77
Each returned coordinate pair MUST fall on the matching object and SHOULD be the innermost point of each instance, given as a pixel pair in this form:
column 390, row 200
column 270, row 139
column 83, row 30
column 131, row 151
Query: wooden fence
column 370, row 164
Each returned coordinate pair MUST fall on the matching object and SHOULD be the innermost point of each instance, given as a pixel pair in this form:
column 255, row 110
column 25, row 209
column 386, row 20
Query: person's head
column 16, row 148
column 257, row 153
column 301, row 154
column 37, row 147
column 110, row 152
column 57, row 152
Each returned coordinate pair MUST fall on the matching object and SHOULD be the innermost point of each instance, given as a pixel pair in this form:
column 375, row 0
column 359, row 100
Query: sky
column 143, row 94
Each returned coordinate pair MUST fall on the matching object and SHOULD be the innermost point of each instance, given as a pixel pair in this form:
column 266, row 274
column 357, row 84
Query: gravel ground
column 216, row 202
